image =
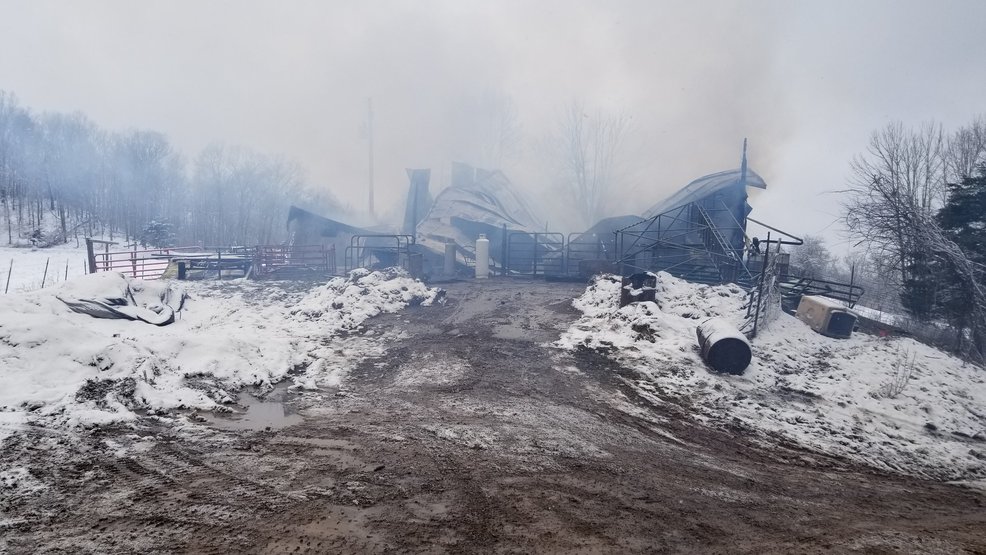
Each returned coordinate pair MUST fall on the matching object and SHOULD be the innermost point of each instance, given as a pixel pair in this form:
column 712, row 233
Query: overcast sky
column 806, row 82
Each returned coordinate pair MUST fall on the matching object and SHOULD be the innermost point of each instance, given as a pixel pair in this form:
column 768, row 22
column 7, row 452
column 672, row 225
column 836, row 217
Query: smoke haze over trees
column 92, row 181
column 584, row 155
column 804, row 81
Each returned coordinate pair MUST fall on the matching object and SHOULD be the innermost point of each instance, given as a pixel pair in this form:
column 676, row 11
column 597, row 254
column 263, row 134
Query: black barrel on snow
column 723, row 347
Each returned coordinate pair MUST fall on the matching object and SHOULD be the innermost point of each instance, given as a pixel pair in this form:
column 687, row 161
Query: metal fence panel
column 535, row 254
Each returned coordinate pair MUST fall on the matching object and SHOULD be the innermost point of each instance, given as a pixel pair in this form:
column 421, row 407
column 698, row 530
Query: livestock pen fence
column 262, row 261
column 555, row 255
column 29, row 271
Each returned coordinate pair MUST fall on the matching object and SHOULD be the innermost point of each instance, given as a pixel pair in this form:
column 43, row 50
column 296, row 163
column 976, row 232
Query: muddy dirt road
column 469, row 435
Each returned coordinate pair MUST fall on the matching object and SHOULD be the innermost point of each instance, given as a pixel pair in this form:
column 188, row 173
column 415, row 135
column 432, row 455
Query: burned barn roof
column 484, row 196
column 478, row 201
column 606, row 227
column 326, row 227
column 706, row 186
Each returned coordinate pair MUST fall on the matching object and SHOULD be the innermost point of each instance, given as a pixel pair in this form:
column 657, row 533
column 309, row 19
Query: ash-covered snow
column 62, row 368
column 831, row 395
column 19, row 478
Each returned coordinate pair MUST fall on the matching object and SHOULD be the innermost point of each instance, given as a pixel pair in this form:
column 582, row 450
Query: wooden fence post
column 45, row 275
column 90, row 255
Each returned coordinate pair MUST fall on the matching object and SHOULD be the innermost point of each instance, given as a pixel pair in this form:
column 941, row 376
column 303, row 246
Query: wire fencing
column 30, row 273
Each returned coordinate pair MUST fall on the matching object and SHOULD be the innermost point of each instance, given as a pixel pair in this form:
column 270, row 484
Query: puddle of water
column 259, row 415
column 344, row 454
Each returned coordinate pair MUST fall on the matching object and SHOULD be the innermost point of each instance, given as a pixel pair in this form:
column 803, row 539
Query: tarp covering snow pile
column 61, row 368
column 894, row 404
column 116, row 299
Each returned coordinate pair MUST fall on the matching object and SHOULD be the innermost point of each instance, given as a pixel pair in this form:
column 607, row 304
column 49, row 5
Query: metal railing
column 136, row 263
column 589, row 253
column 370, row 251
column 535, row 254
column 692, row 241
column 282, row 261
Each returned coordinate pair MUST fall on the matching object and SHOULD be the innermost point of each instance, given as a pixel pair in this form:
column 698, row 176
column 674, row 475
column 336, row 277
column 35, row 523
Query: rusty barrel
column 723, row 347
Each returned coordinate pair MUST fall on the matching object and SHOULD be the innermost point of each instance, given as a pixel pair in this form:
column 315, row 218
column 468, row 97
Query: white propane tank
column 449, row 257
column 482, row 257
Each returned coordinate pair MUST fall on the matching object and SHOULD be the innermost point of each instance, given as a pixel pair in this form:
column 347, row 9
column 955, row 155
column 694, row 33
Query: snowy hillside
column 895, row 404
column 59, row 367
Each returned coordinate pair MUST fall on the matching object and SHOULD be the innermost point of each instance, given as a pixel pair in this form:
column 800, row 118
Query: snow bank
column 345, row 303
column 65, row 368
column 894, row 404
column 652, row 331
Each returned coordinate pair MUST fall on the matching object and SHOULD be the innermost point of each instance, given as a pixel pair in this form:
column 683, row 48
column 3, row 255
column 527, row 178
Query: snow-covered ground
column 26, row 266
column 62, row 368
column 880, row 316
column 895, row 404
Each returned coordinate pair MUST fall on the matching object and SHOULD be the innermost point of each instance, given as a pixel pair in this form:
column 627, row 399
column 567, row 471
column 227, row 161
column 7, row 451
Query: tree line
column 135, row 186
column 917, row 203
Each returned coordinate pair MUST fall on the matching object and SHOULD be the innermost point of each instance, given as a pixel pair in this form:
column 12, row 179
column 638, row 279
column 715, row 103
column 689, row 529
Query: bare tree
column 238, row 195
column 966, row 149
column 900, row 178
column 893, row 197
column 60, row 172
column 498, row 130
column 586, row 149
column 70, row 155
column 812, row 258
column 866, row 270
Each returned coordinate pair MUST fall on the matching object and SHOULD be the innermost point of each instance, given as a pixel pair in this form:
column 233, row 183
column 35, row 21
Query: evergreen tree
column 157, row 234
column 964, row 215
column 920, row 292
column 963, row 218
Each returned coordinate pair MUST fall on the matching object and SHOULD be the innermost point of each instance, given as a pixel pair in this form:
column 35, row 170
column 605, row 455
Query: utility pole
column 369, row 134
column 743, row 164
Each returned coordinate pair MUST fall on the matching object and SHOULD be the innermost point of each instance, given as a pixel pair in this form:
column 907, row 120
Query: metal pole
column 618, row 249
column 45, row 275
column 763, row 272
column 369, row 133
column 503, row 250
column 9, row 271
column 535, row 254
column 852, row 283
column 506, row 251
column 414, row 207
column 66, row 269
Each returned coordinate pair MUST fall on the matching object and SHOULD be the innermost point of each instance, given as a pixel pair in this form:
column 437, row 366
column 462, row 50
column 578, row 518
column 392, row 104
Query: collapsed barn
column 699, row 233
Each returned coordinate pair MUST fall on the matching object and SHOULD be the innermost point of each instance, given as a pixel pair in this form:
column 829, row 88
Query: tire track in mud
column 469, row 435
